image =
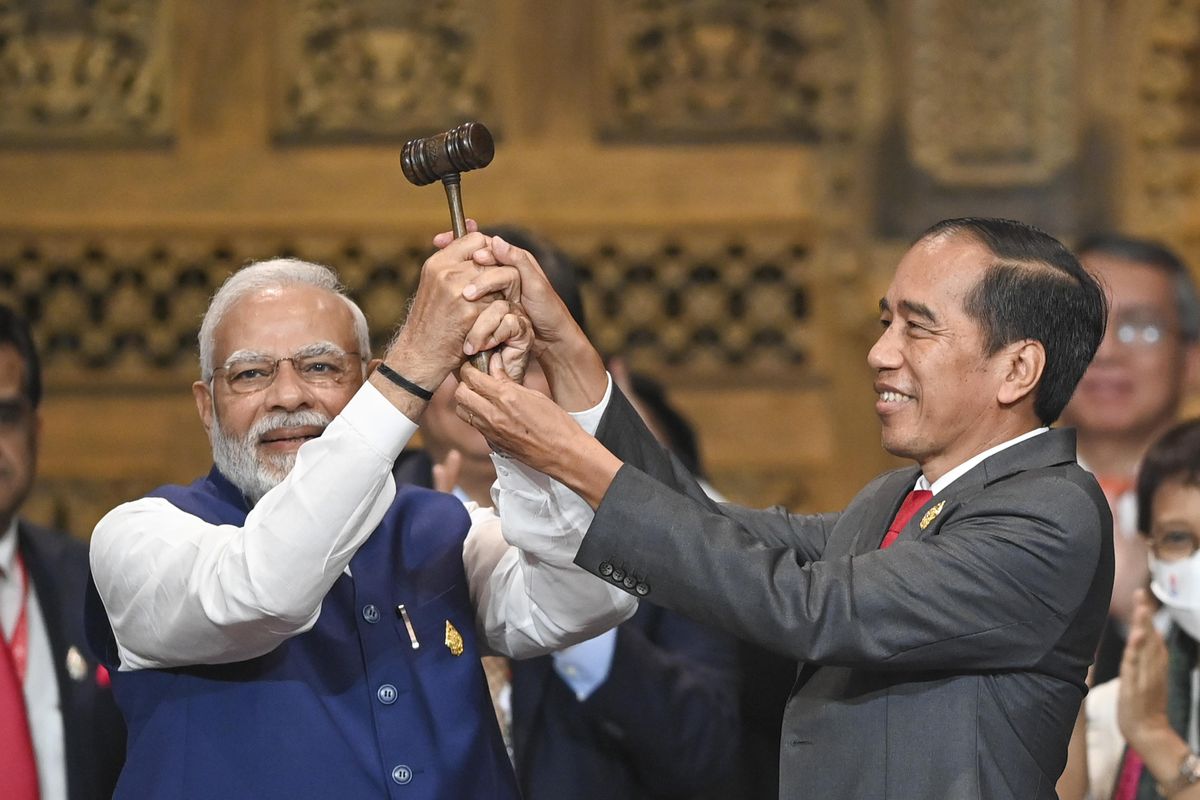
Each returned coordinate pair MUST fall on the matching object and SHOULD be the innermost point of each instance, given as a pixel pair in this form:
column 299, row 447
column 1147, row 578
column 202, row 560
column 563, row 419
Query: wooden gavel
column 444, row 157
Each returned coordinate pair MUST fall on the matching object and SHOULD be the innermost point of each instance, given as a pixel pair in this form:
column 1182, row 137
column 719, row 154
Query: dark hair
column 681, row 437
column 1157, row 255
column 1174, row 456
column 1036, row 290
column 559, row 268
column 14, row 331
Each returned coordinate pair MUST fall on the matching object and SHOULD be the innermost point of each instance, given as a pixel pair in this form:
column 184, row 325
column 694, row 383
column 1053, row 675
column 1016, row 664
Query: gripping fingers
column 491, row 327
column 502, row 281
column 446, row 237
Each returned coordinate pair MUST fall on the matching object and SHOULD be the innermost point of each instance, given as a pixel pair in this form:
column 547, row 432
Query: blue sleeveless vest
column 346, row 711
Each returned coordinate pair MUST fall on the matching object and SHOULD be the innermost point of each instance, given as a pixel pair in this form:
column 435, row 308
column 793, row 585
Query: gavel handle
column 458, row 219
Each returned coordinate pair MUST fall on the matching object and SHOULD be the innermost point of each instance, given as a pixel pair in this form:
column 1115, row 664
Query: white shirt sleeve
column 180, row 591
column 1105, row 744
column 530, row 596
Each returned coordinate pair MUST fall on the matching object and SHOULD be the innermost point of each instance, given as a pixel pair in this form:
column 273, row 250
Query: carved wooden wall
column 736, row 180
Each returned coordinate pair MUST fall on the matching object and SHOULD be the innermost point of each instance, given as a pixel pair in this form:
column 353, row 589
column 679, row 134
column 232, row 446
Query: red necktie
column 916, row 498
column 18, row 769
column 1129, row 777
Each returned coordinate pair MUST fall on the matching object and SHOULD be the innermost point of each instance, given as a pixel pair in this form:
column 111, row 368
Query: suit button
column 642, row 589
column 605, row 568
column 618, row 575
column 629, row 582
column 370, row 613
column 401, row 774
column 387, row 694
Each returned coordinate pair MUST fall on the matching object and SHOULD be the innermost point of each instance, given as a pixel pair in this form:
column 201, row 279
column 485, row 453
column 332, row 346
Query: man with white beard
column 295, row 624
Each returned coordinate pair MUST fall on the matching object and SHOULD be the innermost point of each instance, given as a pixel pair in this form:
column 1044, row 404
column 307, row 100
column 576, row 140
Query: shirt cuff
column 378, row 422
column 517, row 477
column 585, row 666
column 589, row 419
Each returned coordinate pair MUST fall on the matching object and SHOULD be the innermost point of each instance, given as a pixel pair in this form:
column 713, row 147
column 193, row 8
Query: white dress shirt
column 40, row 685
column 962, row 469
column 181, row 591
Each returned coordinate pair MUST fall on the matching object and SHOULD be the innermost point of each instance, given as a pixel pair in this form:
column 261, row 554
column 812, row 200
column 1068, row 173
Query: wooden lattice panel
column 126, row 311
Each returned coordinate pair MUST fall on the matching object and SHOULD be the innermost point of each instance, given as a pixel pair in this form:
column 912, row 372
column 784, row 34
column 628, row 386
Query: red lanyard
column 18, row 646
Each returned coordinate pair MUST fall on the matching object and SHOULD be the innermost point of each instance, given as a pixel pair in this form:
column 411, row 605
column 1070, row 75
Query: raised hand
column 574, row 370
column 442, row 327
column 446, row 472
column 1142, row 702
column 1142, row 699
column 532, row 428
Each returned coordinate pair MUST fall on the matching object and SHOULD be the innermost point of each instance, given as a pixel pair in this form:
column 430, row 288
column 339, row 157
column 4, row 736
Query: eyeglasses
column 251, row 374
column 1136, row 332
column 1173, row 545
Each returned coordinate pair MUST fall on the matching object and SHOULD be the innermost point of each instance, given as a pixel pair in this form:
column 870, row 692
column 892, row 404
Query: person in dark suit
column 943, row 655
column 647, row 711
column 74, row 730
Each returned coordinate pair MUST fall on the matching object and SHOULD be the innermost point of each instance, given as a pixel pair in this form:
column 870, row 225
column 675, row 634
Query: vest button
column 370, row 613
column 401, row 774
column 387, row 695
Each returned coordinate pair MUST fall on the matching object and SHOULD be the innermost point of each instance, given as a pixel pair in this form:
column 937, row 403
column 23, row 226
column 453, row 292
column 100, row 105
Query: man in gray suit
column 949, row 664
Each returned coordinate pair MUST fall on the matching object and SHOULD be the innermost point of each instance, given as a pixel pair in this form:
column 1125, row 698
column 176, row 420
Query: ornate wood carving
column 74, row 71
column 1165, row 114
column 125, row 310
column 701, row 70
column 991, row 99
column 379, row 69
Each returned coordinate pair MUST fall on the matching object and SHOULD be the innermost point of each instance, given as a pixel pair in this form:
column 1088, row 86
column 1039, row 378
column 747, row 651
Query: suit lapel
column 39, row 561
column 49, row 603
column 928, row 519
column 882, row 510
column 1047, row 449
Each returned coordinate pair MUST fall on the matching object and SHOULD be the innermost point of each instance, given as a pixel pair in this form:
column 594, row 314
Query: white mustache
column 285, row 419
column 239, row 459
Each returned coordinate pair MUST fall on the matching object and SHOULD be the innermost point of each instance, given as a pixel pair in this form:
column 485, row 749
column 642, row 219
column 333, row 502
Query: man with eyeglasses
column 296, row 624
column 1131, row 393
column 61, row 735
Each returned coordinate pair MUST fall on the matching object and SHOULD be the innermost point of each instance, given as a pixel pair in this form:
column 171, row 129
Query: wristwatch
column 1189, row 774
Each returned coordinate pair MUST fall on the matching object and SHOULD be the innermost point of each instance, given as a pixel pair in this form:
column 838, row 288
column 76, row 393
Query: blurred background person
column 1130, row 394
column 1142, row 726
column 648, row 710
column 61, row 735
column 766, row 677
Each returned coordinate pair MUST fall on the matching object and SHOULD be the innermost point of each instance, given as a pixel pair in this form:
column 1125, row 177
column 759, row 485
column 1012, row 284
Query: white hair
column 277, row 273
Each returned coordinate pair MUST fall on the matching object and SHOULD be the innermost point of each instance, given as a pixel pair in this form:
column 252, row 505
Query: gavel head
column 469, row 146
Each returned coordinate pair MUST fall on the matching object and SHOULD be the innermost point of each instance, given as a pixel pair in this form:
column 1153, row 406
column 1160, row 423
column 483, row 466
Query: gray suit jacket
column 950, row 665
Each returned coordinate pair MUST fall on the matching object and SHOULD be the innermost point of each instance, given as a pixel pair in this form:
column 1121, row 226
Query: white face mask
column 1176, row 584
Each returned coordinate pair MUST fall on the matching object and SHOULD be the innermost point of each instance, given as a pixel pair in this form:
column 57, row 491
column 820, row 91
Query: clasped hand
column 460, row 309
column 516, row 420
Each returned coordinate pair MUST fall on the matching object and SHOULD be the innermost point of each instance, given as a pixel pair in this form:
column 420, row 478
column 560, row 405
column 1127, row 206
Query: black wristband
column 403, row 382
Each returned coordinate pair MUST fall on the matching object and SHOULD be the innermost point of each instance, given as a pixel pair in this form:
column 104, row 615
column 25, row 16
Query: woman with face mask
column 1151, row 750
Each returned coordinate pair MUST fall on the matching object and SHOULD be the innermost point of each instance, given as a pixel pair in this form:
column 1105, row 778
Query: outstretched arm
column 179, row 590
